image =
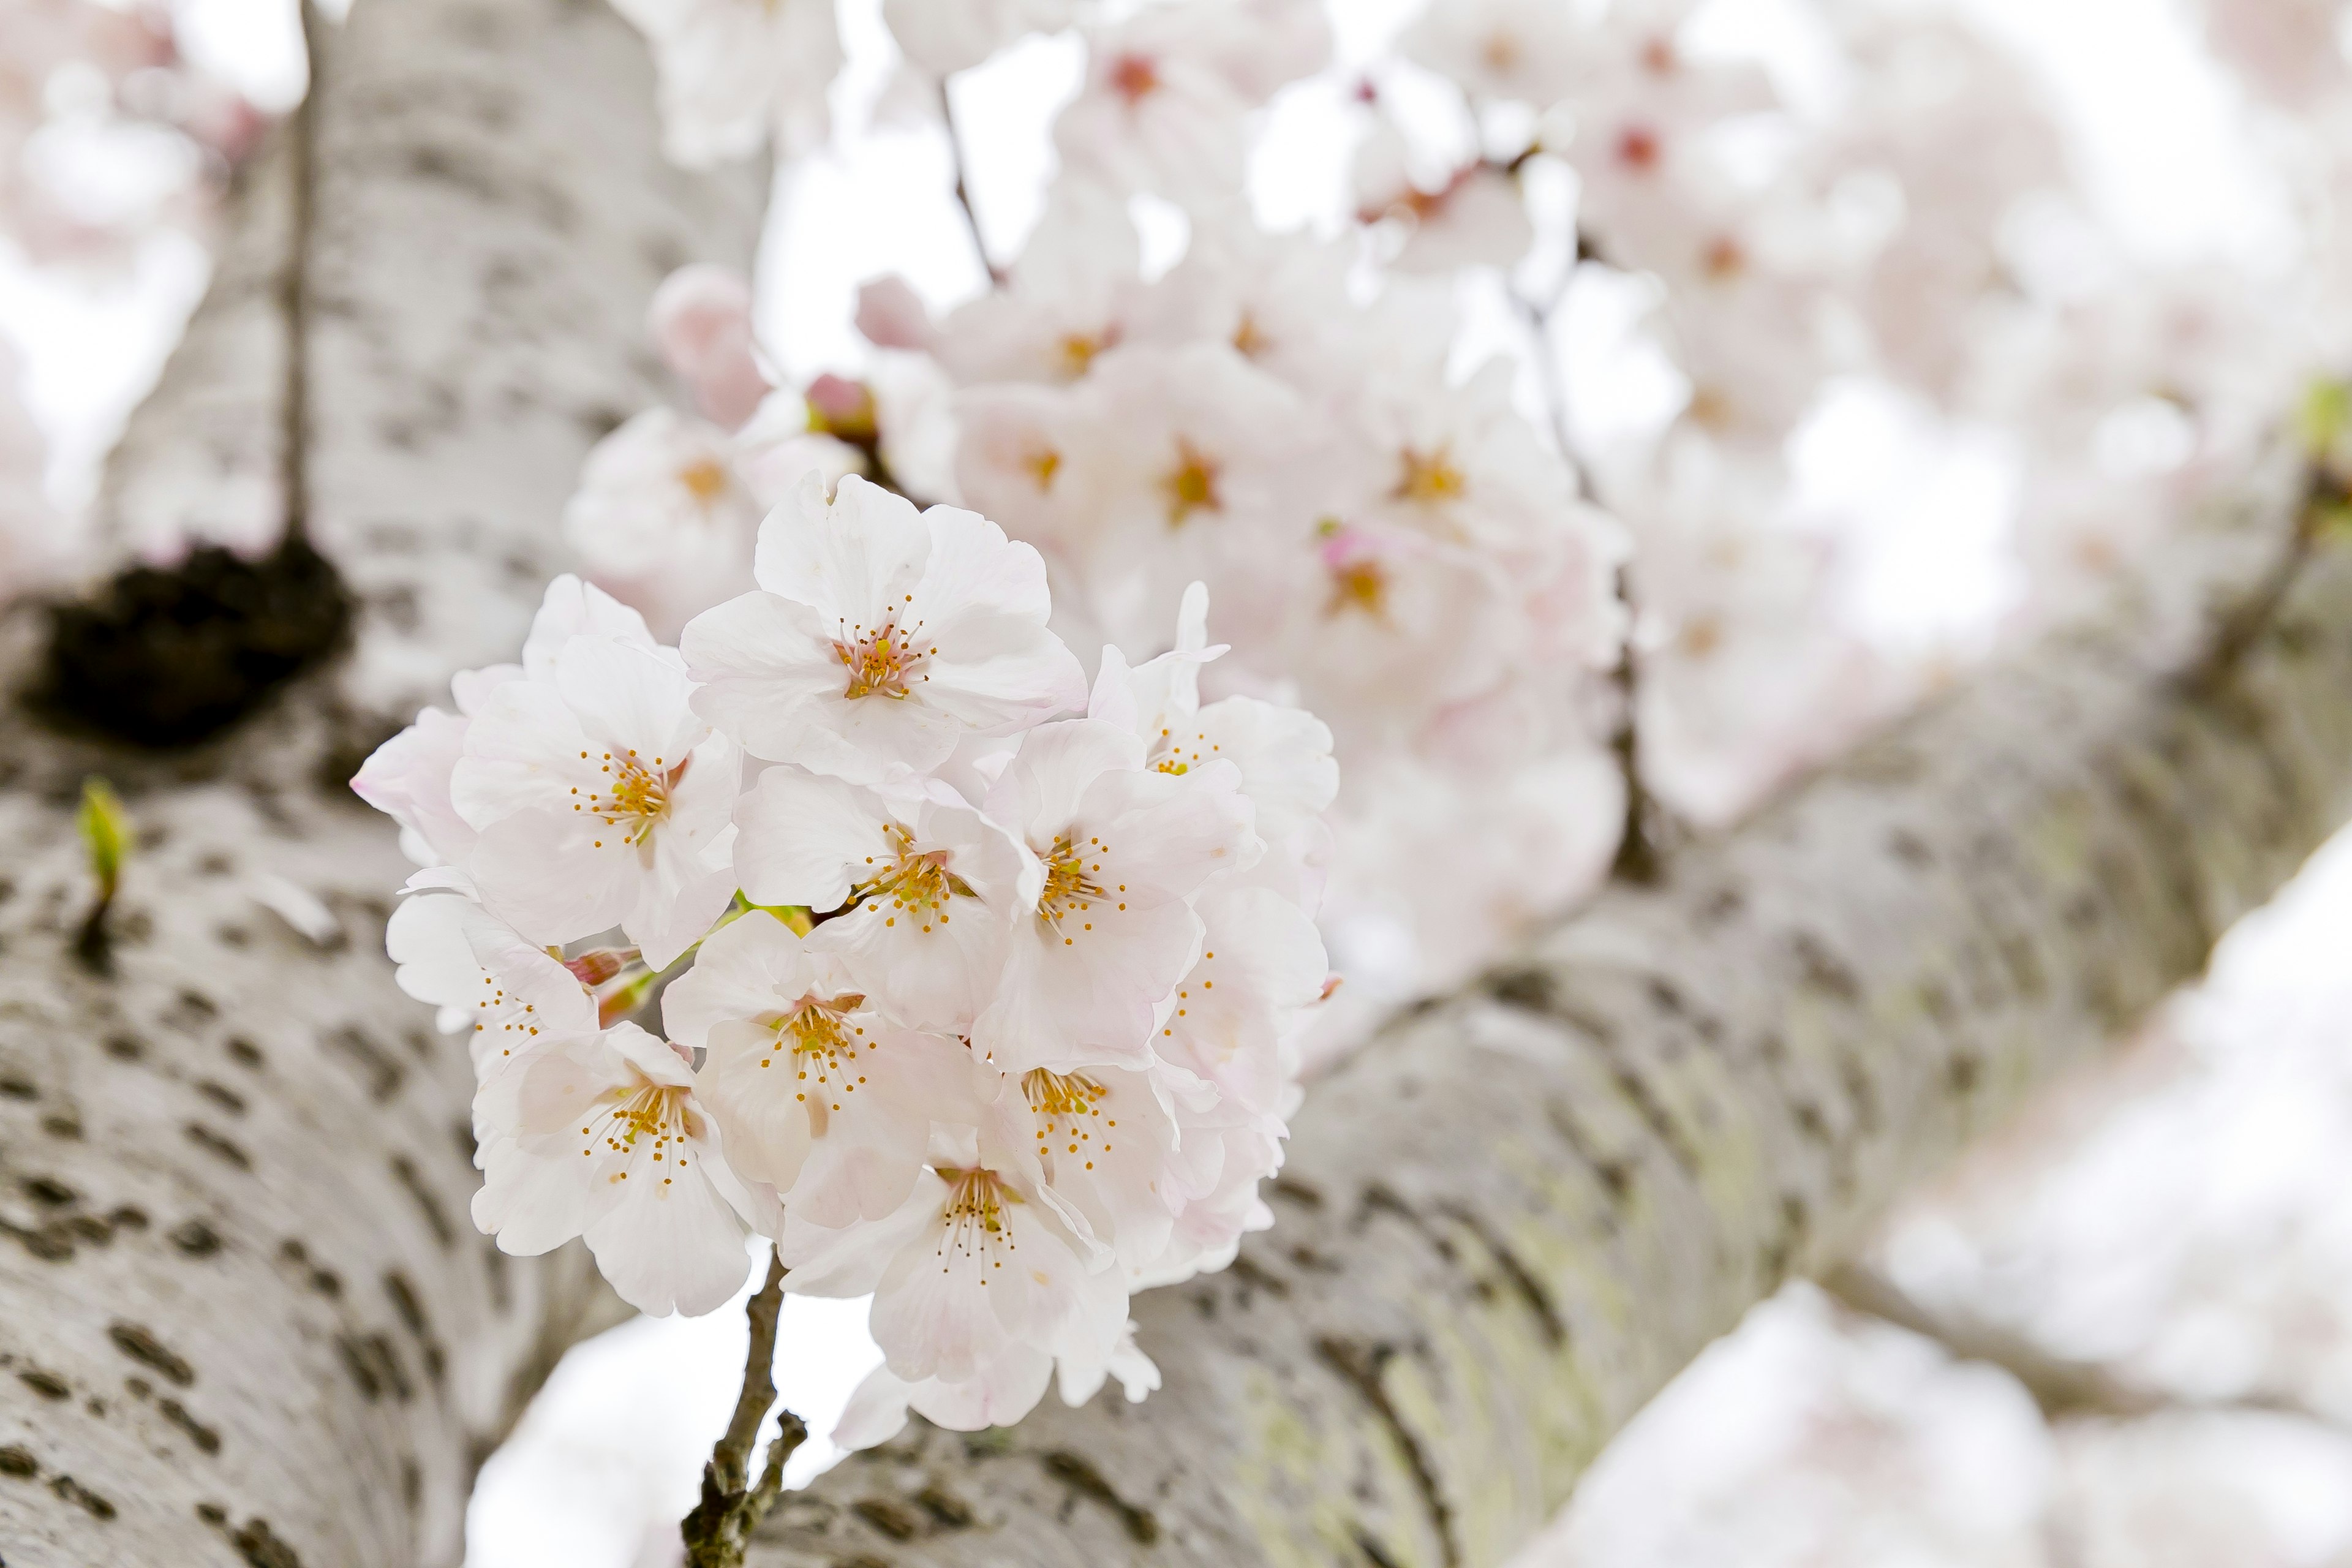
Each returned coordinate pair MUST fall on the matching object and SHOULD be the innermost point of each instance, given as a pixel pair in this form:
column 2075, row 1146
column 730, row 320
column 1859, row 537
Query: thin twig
column 731, row 1508
column 963, row 189
column 2324, row 499
column 2061, row 1385
column 1641, row 856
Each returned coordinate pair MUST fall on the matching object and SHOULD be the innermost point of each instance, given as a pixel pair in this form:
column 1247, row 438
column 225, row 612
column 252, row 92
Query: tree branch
column 1525, row 1208
column 731, row 1508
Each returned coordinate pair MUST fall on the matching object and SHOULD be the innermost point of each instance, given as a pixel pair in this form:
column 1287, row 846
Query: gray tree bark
column 244, row 1316
column 1506, row 1224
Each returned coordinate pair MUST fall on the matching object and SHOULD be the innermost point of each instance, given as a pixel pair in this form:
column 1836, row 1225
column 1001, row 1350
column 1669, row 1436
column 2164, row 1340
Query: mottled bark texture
column 1522, row 1209
column 244, row 1316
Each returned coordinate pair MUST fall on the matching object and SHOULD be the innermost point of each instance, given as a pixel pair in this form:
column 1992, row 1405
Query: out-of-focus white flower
column 1168, row 87
column 879, row 635
column 661, row 520
column 944, row 37
column 736, row 73
column 1523, row 51
column 601, row 1135
column 1475, row 218
column 1071, row 296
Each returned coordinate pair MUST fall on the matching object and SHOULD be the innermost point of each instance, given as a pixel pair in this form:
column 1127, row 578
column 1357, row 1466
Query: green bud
column 105, row 829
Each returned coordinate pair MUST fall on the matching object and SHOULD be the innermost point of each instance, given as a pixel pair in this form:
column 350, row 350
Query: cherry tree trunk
column 1522, row 1209
column 244, row 1315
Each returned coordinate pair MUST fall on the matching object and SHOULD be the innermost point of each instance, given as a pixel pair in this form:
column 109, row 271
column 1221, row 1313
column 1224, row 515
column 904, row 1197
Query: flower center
column 975, row 1218
column 1068, row 1109
column 705, row 480
column 1430, row 477
column 917, row 883
column 651, row 1118
column 1134, row 77
column 1638, row 149
column 635, row 796
column 1070, row 887
column 1042, row 466
column 882, row 661
column 1190, row 486
column 1080, row 349
column 1361, row 584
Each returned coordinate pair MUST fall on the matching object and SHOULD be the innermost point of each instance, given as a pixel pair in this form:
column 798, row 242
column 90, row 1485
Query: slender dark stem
column 963, row 190
column 732, row 1507
column 2323, row 498
column 294, row 288
column 1640, row 853
column 1640, row 850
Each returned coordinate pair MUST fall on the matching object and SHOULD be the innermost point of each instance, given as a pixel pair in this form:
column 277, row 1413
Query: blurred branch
column 2062, row 1386
column 963, row 190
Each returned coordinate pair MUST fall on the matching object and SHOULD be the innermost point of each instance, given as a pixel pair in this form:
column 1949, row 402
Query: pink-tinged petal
column 629, row 698
column 805, row 839
column 523, row 752
column 672, row 1248
column 852, row 559
column 572, row 608
column 407, row 779
column 1071, row 997
column 555, row 878
column 1040, row 789
column 997, row 1394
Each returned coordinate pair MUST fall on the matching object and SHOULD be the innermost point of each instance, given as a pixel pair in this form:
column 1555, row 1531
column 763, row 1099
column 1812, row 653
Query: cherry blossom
column 879, row 635
column 602, row 1135
column 819, row 1094
column 926, row 884
column 598, row 798
column 1093, row 961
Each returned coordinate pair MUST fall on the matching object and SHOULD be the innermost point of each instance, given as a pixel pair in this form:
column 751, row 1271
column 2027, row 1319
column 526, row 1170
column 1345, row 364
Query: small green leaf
column 105, row 829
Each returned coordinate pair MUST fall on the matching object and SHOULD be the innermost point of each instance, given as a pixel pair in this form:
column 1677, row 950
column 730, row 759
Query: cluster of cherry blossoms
column 980, row 989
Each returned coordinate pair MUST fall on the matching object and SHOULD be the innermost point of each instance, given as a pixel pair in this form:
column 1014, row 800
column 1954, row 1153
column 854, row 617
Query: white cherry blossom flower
column 1101, row 1140
column 819, row 1093
column 1092, row 963
column 926, row 884
column 662, row 521
column 509, row 993
column 979, row 1264
column 599, row 799
column 879, row 636
column 601, row 1136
